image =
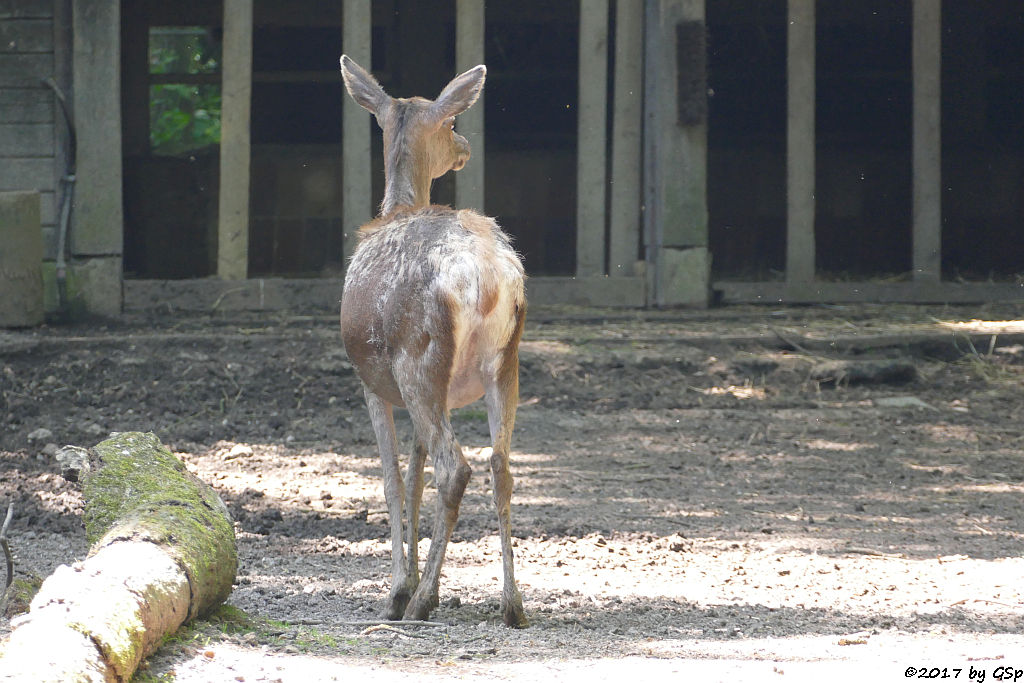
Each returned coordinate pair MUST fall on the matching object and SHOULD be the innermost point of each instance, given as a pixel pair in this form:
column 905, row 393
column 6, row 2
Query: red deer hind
column 431, row 318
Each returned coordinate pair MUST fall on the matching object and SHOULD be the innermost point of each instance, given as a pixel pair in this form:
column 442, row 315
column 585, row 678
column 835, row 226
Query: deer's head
column 420, row 142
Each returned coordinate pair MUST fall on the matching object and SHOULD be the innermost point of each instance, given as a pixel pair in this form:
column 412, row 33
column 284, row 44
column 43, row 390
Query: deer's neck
column 406, row 180
column 404, row 191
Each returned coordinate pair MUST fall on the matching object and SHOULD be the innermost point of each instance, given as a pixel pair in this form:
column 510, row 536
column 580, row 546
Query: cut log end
column 163, row 552
column 139, row 491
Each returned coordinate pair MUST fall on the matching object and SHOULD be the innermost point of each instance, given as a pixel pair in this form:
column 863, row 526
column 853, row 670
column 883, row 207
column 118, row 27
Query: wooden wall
column 27, row 107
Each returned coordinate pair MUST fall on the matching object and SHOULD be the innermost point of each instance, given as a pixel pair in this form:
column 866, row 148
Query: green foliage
column 232, row 620
column 470, row 415
column 185, row 116
column 183, row 50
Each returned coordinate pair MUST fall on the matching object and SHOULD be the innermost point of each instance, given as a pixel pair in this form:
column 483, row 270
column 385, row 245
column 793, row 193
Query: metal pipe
column 67, row 194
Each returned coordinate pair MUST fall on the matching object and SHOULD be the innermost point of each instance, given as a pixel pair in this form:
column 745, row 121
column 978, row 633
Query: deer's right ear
column 461, row 93
column 363, row 87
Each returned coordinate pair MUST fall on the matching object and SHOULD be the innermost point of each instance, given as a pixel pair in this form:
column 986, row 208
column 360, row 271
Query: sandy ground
column 736, row 494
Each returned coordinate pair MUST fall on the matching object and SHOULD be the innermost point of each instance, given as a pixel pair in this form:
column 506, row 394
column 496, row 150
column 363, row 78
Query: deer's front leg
column 402, row 585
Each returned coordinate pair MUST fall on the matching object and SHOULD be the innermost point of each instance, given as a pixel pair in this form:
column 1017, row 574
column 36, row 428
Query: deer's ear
column 460, row 94
column 363, row 87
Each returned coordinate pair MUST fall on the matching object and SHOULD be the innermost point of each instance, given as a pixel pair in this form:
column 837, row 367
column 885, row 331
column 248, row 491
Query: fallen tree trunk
column 162, row 552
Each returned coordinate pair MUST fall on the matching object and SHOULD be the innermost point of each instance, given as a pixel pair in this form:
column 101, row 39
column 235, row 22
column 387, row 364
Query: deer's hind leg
column 413, row 497
column 501, row 397
column 402, row 582
column 451, row 473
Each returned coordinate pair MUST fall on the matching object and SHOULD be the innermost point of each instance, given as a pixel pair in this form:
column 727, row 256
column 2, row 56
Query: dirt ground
column 733, row 494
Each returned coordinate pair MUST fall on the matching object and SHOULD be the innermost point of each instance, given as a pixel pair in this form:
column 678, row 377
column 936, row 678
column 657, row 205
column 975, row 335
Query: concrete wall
column 21, row 259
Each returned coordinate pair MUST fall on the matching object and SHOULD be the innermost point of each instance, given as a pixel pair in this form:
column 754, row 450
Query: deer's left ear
column 460, row 94
column 363, row 87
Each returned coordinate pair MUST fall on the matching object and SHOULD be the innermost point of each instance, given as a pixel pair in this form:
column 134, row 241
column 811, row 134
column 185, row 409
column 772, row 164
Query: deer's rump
column 433, row 282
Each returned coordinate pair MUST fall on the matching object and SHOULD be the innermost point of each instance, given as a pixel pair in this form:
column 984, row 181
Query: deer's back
column 436, row 283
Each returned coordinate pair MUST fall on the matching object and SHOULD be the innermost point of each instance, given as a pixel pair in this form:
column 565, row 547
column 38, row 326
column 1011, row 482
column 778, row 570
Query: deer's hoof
column 398, row 602
column 513, row 614
column 420, row 608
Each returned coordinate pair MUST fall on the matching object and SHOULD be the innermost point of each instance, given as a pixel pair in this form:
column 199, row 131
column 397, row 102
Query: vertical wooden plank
column 675, row 150
column 98, row 218
column 235, row 142
column 356, row 193
column 627, row 126
column 683, row 125
column 927, row 162
column 591, row 156
column 800, row 159
column 651, row 134
column 469, row 51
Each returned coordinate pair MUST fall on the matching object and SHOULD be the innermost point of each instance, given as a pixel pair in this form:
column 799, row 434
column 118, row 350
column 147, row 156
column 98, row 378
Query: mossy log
column 162, row 552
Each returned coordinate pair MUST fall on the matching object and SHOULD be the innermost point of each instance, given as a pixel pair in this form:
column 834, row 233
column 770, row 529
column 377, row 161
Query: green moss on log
column 138, row 490
column 20, row 595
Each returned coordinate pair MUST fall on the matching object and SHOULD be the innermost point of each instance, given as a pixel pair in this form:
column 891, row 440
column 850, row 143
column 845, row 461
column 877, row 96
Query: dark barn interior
column 863, row 174
column 863, row 150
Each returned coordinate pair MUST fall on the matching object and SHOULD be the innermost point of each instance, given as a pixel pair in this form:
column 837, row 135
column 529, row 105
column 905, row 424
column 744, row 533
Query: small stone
column 901, row 402
column 93, row 429
column 41, row 434
column 239, row 450
column 50, row 449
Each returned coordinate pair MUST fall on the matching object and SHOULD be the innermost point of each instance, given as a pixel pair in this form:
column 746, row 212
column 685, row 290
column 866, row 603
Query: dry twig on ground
column 7, row 556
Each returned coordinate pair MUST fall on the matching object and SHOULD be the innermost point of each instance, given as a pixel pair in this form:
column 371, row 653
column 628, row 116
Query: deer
column 432, row 313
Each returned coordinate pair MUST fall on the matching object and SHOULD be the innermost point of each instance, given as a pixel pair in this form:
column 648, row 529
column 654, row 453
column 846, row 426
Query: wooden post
column 99, row 221
column 235, row 142
column 927, row 152
column 97, row 234
column 356, row 191
column 675, row 153
column 469, row 51
column 592, row 138
column 800, row 142
column 627, row 126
